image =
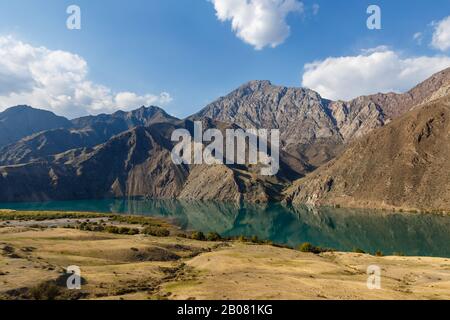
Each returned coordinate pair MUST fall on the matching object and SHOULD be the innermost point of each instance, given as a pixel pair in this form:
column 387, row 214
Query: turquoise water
column 341, row 229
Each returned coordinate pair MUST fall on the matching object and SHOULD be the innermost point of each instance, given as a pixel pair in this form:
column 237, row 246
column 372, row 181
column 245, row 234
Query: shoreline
column 60, row 218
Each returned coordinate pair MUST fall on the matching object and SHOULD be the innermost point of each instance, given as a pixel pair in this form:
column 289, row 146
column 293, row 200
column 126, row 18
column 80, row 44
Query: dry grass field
column 35, row 252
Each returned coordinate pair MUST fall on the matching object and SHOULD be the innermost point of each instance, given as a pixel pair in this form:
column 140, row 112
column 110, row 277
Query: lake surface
column 340, row 229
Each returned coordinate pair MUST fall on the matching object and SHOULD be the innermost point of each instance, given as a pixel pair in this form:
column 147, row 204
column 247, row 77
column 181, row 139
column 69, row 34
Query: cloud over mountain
column 259, row 23
column 441, row 35
column 375, row 70
column 58, row 81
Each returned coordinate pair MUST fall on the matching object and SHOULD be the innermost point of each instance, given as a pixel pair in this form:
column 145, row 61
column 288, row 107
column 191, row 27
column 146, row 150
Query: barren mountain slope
column 138, row 163
column 405, row 164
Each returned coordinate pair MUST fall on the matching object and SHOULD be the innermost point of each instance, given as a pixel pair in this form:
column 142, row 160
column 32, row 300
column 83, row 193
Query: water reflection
column 342, row 229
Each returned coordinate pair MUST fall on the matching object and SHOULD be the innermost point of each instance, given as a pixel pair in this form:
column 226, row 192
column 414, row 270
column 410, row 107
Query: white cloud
column 58, row 81
column 315, row 9
column 259, row 23
column 375, row 70
column 418, row 37
column 441, row 35
column 125, row 99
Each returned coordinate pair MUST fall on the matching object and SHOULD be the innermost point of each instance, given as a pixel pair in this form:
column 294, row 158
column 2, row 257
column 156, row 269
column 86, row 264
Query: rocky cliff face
column 313, row 128
column 404, row 164
column 301, row 114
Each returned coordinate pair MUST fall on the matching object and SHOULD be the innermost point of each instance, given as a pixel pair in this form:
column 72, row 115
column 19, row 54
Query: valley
column 321, row 147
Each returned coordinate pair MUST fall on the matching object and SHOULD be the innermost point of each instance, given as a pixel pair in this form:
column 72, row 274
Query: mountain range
column 365, row 152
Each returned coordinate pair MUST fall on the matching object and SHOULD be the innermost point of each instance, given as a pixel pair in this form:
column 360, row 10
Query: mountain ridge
column 130, row 150
column 21, row 121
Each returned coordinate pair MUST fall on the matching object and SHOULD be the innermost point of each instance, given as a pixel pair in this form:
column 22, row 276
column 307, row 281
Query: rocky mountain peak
column 255, row 85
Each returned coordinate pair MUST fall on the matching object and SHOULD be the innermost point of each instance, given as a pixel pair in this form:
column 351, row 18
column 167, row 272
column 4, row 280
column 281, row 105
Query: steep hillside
column 404, row 164
column 137, row 163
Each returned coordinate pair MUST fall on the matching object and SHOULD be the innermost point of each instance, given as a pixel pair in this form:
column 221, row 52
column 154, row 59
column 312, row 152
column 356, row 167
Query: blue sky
column 180, row 46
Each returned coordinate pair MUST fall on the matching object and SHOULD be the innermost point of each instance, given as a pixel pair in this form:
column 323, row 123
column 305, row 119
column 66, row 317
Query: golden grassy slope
column 145, row 267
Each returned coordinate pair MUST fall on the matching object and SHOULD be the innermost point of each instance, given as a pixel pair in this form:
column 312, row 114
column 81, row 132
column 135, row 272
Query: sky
column 183, row 54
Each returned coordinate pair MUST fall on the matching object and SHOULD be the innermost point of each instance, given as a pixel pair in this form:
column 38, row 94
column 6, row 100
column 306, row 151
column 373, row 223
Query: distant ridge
column 21, row 121
column 85, row 132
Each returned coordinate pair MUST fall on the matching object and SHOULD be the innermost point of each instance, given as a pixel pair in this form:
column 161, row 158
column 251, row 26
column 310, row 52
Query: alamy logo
column 241, row 147
column 374, row 277
column 74, row 20
column 74, row 280
column 374, row 20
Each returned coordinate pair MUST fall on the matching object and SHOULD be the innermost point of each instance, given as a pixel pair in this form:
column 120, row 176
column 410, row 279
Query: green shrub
column 98, row 228
column 198, row 235
column 112, row 229
column 156, row 231
column 129, row 231
column 124, row 230
column 308, row 247
column 242, row 239
column 255, row 239
column 84, row 226
column 133, row 231
column 45, row 291
column 213, row 236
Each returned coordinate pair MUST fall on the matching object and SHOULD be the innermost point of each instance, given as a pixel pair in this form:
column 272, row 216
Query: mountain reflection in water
column 340, row 229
